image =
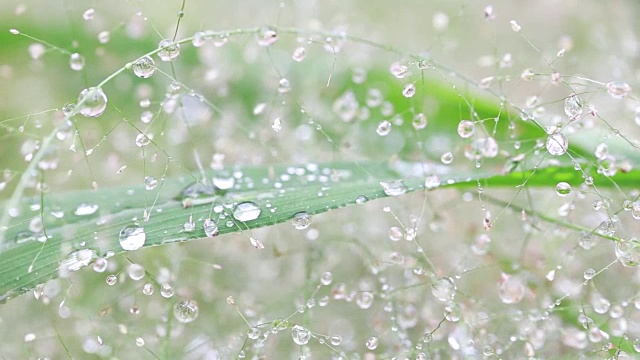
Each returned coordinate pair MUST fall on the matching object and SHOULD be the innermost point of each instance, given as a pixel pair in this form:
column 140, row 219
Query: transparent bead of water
column 300, row 335
column 100, row 265
column 166, row 290
column 92, row 102
column 139, row 341
column 563, row 189
column 144, row 67
column 364, row 300
column 515, row 26
column 628, row 253
column 372, row 343
column 142, row 140
column 186, row 311
column 398, row 70
column 384, row 128
column 447, row 158
column 132, row 237
column 444, row 289
column 326, row 278
column 111, row 280
column 276, row 125
column 393, row 188
column 78, row 259
column 557, row 144
column 256, row 243
column 199, row 39
column 148, row 289
column 431, row 182
column 210, row 228
column 253, row 333
column 266, row 36
column 299, row 54
column 395, row 233
column 76, row 62
column 361, row 199
column 573, row 106
column 602, row 151
column 466, row 129
column 510, row 289
column 409, row 90
column 301, row 221
column 169, row 50
column 335, row 340
column 246, row 211
column 618, row 89
column 86, row 209
column 589, row 274
column 419, row 121
column 284, row 86
column 104, row 37
column 135, row 271
column 89, row 14
column 220, row 40
column 150, row 182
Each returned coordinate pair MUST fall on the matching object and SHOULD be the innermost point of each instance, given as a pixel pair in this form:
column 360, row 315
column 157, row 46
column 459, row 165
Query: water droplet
column 246, row 211
column 299, row 54
column 166, row 290
column 515, row 26
column 395, row 233
column 199, row 39
column 573, row 106
column 135, row 271
column 563, row 189
column 409, row 90
column 336, row 340
column 266, row 36
column 398, row 70
column 104, row 37
column 89, row 14
column 111, row 280
column 14, row 31
column 144, row 67
column 92, row 102
column 300, row 335
column 148, row 289
column 142, row 140
column 186, row 311
column 150, row 182
column 210, row 228
column 223, row 182
column 169, row 50
column 393, row 188
column 196, row 190
column 432, row 182
column 253, row 333
column 86, row 209
column 284, row 86
column 444, row 289
column 276, row 125
column 510, row 289
column 466, row 129
column 326, row 278
column 78, row 259
column 589, row 274
column 361, row 199
column 76, row 62
column 557, row 144
column 447, row 158
column 256, row 243
column 628, row 253
column 419, row 121
column 301, row 221
column 602, row 151
column 618, row 89
column 384, row 128
column 372, row 343
column 364, row 300
column 132, row 237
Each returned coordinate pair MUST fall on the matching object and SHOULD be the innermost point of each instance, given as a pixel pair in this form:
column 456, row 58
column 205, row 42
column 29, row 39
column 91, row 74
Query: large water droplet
column 300, row 335
column 76, row 62
column 393, row 188
column 557, row 144
column 144, row 67
column 92, row 101
column 86, row 209
column 223, row 182
column 132, row 237
column 466, row 128
column 169, row 50
column 618, row 89
column 563, row 189
column 628, row 253
column 301, row 221
column 573, row 106
column 444, row 289
column 142, row 140
column 266, row 36
column 246, row 211
column 186, row 311
column 510, row 289
column 78, row 259
column 210, row 228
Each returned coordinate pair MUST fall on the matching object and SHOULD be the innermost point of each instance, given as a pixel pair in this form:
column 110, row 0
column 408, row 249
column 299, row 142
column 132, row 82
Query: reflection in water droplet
column 372, row 343
column 76, row 62
column 393, row 188
column 210, row 228
column 384, row 128
column 170, row 50
column 132, row 237
column 144, row 67
column 246, row 211
column 557, row 144
column 78, row 259
column 466, row 129
column 573, row 106
column 223, row 183
column 301, row 221
column 300, row 335
column 444, row 289
column 186, row 311
column 364, row 299
column 150, row 182
column 86, row 209
column 563, row 189
column 92, row 102
column 266, row 36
